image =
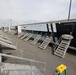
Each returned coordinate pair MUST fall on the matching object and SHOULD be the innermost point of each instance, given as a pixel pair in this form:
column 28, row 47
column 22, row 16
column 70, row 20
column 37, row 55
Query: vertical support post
column 69, row 10
column 19, row 30
column 52, row 29
column 7, row 72
column 9, row 29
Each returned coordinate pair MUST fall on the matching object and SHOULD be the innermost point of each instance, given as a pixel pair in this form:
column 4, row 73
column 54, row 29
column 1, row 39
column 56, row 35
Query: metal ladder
column 28, row 37
column 36, row 40
column 8, row 45
column 45, row 43
column 62, row 48
column 7, row 42
column 20, row 35
column 25, row 35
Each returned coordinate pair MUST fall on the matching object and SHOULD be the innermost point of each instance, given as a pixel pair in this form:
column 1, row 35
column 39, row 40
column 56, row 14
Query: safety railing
column 57, row 43
column 33, row 63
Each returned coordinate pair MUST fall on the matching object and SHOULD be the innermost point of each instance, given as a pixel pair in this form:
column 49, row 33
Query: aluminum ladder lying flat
column 28, row 37
column 20, row 35
column 25, row 35
column 4, row 37
column 62, row 48
column 36, row 40
column 45, row 43
column 5, row 40
column 8, row 45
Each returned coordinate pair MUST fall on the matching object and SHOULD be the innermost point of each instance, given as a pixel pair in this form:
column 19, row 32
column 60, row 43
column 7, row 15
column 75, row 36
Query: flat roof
column 58, row 21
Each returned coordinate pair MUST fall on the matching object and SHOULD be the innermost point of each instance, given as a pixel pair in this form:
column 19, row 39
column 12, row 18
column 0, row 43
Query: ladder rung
column 59, row 50
column 43, row 44
column 61, row 53
column 65, row 42
column 58, row 55
column 63, row 45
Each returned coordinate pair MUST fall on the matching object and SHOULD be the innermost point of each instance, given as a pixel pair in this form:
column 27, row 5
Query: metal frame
column 30, row 70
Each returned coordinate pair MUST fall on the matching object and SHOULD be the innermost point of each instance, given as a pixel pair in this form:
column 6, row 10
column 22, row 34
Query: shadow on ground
column 70, row 51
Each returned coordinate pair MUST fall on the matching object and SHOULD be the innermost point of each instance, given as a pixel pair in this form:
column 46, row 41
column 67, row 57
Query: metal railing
column 57, row 43
column 6, row 71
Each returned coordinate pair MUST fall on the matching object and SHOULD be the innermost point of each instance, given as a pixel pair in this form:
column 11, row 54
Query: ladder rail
column 11, row 56
column 57, row 43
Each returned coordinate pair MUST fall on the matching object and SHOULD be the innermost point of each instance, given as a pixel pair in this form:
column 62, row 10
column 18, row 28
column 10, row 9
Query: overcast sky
column 27, row 11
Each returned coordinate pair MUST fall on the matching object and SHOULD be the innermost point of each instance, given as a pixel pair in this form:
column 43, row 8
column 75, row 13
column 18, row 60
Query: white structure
column 35, row 27
column 19, row 29
column 9, row 29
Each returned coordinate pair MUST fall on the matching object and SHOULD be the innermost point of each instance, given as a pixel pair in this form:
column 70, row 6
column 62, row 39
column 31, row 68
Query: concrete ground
column 33, row 52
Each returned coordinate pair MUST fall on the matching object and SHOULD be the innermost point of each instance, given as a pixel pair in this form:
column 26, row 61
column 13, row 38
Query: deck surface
column 46, row 55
